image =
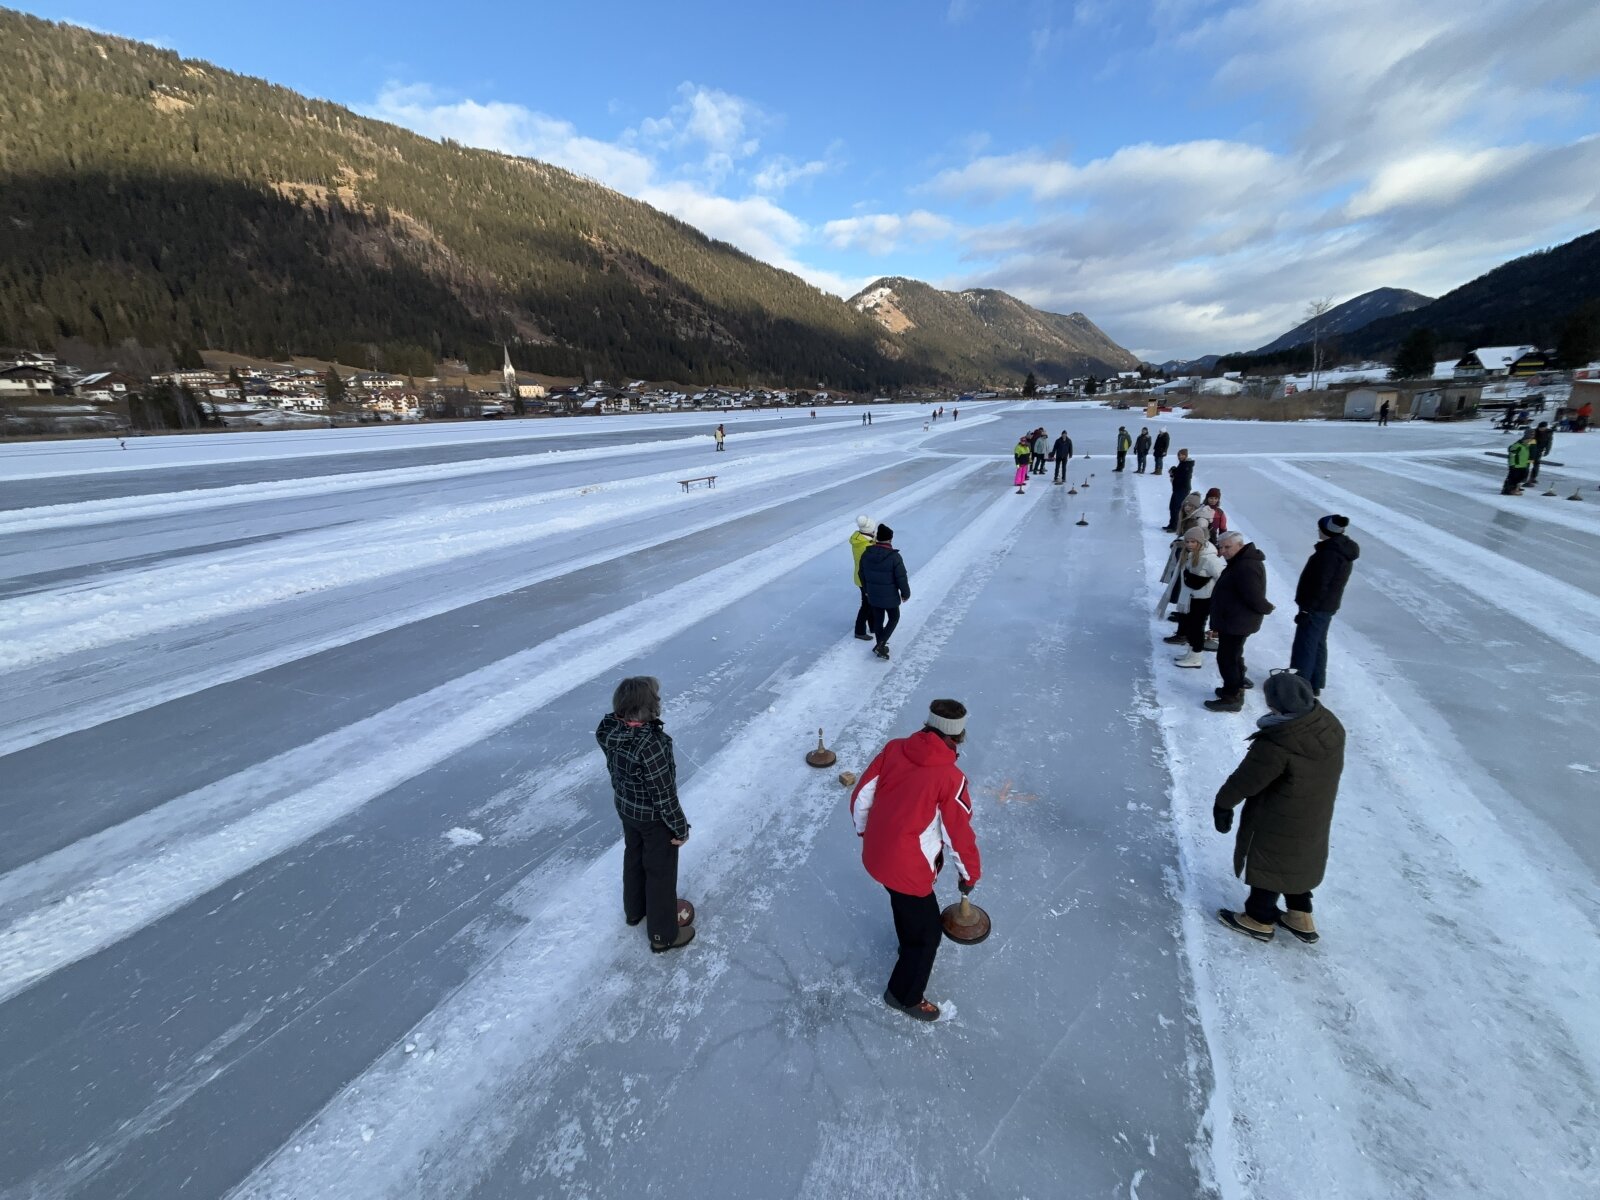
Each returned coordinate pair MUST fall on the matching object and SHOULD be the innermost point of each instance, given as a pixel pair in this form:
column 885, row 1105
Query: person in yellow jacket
column 1519, row 457
column 866, row 530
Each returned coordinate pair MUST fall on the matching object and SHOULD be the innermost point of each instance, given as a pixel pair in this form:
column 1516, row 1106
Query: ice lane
column 172, row 1061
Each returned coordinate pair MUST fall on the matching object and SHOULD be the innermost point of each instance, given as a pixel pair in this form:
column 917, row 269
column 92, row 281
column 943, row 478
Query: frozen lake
column 308, row 882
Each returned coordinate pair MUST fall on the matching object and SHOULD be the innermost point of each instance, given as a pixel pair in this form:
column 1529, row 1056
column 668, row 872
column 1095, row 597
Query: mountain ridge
column 1348, row 317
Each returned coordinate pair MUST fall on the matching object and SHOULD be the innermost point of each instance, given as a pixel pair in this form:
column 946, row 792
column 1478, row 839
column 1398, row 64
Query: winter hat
column 865, row 523
column 949, row 717
column 1199, row 534
column 1288, row 693
column 1333, row 524
column 885, row 534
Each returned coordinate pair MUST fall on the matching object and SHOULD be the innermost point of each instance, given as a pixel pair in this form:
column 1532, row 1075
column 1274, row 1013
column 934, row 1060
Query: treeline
column 170, row 203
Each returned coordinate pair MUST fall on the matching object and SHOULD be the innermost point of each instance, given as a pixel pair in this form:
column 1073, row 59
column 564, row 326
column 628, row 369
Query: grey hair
column 1233, row 535
column 637, row 698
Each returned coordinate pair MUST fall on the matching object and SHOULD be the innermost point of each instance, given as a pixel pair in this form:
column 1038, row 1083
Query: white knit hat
column 949, row 726
column 866, row 524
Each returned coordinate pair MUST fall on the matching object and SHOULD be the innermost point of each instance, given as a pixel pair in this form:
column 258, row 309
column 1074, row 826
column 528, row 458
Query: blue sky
column 1189, row 174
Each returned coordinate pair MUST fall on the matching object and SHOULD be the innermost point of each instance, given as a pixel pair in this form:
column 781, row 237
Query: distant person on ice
column 1163, row 440
column 866, row 527
column 1041, row 449
column 1287, row 783
column 883, row 579
column 1543, row 439
column 1141, row 448
column 1317, row 598
column 644, row 784
column 719, row 435
column 1519, row 457
column 1383, row 414
column 1238, row 605
column 1182, row 475
column 1123, row 444
column 1062, row 451
column 912, row 811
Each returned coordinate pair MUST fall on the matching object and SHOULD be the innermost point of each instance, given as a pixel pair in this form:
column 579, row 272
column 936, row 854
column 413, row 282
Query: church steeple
column 508, row 376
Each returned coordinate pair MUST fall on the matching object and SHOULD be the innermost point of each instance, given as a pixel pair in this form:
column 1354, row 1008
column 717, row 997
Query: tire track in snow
column 386, row 1127
column 299, row 793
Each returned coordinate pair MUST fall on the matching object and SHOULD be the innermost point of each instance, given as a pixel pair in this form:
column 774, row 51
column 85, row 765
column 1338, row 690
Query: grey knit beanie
column 1289, row 694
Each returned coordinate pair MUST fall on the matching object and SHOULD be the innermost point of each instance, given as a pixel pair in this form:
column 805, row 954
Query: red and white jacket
column 911, row 805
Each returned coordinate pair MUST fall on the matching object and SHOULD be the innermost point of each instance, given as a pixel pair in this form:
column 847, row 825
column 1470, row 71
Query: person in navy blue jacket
column 884, row 580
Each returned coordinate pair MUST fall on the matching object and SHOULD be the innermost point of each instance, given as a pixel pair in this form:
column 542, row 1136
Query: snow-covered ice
column 309, row 878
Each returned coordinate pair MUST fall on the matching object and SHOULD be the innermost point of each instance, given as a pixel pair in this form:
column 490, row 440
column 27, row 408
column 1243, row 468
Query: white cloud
column 780, row 173
column 882, row 233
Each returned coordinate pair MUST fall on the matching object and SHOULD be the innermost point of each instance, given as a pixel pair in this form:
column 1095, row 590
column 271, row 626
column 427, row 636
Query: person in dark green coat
column 1287, row 783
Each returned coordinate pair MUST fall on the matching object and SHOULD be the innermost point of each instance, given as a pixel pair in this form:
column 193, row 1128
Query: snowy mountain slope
column 317, row 896
column 1348, row 317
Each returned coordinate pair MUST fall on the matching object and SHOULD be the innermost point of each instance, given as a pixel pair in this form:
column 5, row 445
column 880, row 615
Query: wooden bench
column 709, row 480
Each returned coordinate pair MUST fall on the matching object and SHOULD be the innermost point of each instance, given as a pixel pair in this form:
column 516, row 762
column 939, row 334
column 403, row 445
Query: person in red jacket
column 912, row 810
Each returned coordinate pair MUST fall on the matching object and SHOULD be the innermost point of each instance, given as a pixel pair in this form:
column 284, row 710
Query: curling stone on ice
column 1072, row 491
column 821, row 756
column 1083, row 519
column 965, row 922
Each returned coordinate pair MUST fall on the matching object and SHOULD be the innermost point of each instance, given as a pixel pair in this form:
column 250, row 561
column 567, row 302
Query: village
column 42, row 396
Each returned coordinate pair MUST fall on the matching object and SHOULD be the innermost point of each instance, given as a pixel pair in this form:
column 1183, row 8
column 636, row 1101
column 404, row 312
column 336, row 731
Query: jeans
column 883, row 621
column 1230, row 662
column 1262, row 905
column 1192, row 624
column 650, row 878
column 863, row 614
column 1142, row 456
column 1309, row 657
column 1061, row 470
column 917, row 925
column 1157, row 469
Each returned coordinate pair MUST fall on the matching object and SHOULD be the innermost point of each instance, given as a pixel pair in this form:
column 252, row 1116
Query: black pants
column 1061, row 470
column 1533, row 471
column 1038, row 465
column 917, row 925
column 650, row 878
column 1262, row 905
column 1230, row 662
column 1192, row 624
column 883, row 621
column 1383, row 418
column 1142, row 456
column 863, row 614
column 1172, row 510
column 1515, row 478
column 1122, row 459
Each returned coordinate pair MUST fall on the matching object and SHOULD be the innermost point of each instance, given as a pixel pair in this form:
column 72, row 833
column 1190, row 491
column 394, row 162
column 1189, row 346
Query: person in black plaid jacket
column 644, row 783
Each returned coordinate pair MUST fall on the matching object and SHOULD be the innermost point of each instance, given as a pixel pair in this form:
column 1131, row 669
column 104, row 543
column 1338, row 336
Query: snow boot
column 1191, row 659
column 1227, row 702
column 1301, row 925
column 863, row 637
column 922, row 1010
column 1243, row 923
column 685, row 936
column 881, row 649
column 1211, row 645
column 1176, row 639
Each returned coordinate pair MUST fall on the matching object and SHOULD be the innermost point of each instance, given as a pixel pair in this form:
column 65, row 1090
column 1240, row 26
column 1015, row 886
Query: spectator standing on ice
column 1581, row 419
column 644, row 784
column 955, row 414
column 859, row 541
column 1238, row 605
column 1219, row 519
column 1383, row 414
column 1198, row 571
column 1519, row 457
column 1317, row 598
column 1543, row 438
column 719, row 435
column 1123, row 443
column 1287, row 782
column 1041, row 450
column 1141, row 448
column 1062, row 452
column 883, row 579
column 912, row 811
column 1163, row 440
column 1169, row 574
column 1182, row 475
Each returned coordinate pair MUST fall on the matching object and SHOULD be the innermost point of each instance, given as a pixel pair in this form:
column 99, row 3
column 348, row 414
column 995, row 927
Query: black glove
column 1222, row 818
column 1299, row 617
column 964, row 887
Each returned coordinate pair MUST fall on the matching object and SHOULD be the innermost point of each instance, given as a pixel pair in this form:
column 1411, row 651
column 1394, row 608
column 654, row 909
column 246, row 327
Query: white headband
column 949, row 726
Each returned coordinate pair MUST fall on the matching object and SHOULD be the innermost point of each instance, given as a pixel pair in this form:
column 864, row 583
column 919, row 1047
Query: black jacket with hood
column 883, row 576
column 1239, row 599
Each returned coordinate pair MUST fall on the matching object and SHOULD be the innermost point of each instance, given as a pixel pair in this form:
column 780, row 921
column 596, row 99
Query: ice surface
column 309, row 881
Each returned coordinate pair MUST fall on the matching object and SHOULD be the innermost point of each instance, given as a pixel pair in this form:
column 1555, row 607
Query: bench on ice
column 709, row 480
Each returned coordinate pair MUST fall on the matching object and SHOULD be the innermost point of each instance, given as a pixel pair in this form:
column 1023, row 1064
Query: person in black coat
column 1238, row 604
column 1317, row 597
column 1182, row 476
column 1062, row 451
column 883, row 579
column 1543, row 438
column 1141, row 449
column 1163, row 440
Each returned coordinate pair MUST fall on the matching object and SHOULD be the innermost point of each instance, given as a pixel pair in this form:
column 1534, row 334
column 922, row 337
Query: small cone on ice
column 821, row 756
column 847, row 778
column 965, row 923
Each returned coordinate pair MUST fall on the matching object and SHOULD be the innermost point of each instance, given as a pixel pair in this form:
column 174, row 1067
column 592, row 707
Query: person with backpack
column 1063, row 455
column 859, row 541
column 913, row 813
column 1123, row 444
column 884, row 580
column 1141, row 448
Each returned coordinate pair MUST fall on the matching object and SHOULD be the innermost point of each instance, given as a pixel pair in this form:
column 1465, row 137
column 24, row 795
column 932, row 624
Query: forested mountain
column 166, row 201
column 985, row 334
column 1348, row 317
column 1548, row 299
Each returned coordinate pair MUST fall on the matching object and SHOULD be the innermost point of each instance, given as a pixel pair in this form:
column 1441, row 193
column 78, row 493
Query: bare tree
column 1315, row 311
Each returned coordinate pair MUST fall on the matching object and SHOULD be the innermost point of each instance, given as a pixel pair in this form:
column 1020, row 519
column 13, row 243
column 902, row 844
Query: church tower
column 508, row 376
